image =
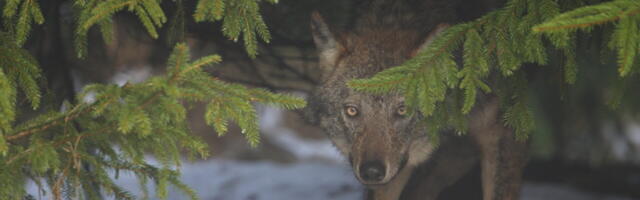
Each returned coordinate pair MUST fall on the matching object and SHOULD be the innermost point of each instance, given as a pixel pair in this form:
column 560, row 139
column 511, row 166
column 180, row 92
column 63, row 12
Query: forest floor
column 311, row 180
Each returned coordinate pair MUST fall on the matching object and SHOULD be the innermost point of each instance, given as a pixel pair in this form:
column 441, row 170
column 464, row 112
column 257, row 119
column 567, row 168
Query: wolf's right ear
column 328, row 47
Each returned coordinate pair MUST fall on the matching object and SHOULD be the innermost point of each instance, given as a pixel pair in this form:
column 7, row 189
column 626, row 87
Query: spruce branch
column 589, row 16
column 28, row 12
column 136, row 111
column 82, row 108
column 49, row 122
column 18, row 69
column 441, row 47
column 101, row 13
column 431, row 77
column 624, row 38
column 239, row 17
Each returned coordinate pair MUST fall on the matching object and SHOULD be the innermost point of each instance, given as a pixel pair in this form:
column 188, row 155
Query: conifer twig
column 71, row 115
column 543, row 28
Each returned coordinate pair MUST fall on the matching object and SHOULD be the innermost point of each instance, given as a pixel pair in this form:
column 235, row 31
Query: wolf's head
column 375, row 132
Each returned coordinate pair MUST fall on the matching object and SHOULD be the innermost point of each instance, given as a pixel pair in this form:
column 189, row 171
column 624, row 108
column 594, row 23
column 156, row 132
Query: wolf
column 388, row 149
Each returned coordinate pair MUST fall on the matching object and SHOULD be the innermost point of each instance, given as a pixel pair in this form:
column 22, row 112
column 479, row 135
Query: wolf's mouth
column 376, row 185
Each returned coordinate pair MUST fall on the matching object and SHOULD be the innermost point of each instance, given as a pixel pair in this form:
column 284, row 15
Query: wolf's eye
column 351, row 111
column 401, row 111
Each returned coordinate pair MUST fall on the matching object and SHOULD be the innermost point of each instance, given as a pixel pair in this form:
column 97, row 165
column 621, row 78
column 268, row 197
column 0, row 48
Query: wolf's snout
column 372, row 172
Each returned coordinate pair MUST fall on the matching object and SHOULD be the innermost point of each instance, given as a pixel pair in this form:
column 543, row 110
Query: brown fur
column 377, row 134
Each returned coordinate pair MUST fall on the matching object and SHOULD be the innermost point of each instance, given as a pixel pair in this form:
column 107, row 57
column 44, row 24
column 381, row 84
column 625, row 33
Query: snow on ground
column 321, row 172
column 271, row 127
column 242, row 180
column 219, row 179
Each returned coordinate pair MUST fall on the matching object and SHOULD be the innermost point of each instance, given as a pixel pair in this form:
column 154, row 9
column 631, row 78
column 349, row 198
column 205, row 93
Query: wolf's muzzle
column 372, row 171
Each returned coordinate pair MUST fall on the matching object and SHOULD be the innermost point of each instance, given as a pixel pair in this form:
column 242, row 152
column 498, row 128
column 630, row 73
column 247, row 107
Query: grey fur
column 378, row 133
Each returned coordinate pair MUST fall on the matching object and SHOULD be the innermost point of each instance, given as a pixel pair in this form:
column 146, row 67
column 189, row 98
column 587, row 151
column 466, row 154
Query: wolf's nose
column 372, row 171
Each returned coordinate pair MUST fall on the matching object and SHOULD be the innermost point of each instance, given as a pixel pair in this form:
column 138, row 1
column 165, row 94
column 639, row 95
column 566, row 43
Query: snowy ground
column 232, row 180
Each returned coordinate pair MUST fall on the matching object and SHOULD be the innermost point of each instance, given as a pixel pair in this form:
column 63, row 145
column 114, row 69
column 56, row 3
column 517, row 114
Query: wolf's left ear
column 328, row 47
column 436, row 31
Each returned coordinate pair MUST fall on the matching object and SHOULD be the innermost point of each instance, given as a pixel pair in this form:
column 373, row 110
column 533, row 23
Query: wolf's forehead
column 380, row 48
column 372, row 59
column 366, row 63
column 360, row 97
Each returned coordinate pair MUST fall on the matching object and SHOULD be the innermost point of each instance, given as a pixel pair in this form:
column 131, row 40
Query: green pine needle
column 239, row 17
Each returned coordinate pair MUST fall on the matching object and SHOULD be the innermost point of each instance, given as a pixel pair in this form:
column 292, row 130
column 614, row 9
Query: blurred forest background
column 583, row 146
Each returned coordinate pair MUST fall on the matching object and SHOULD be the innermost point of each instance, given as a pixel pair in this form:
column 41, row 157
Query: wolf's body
column 386, row 147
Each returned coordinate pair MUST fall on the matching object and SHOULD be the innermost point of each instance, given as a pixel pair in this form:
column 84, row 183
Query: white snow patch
column 132, row 75
column 219, row 179
column 633, row 135
column 633, row 129
column 619, row 146
column 271, row 126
